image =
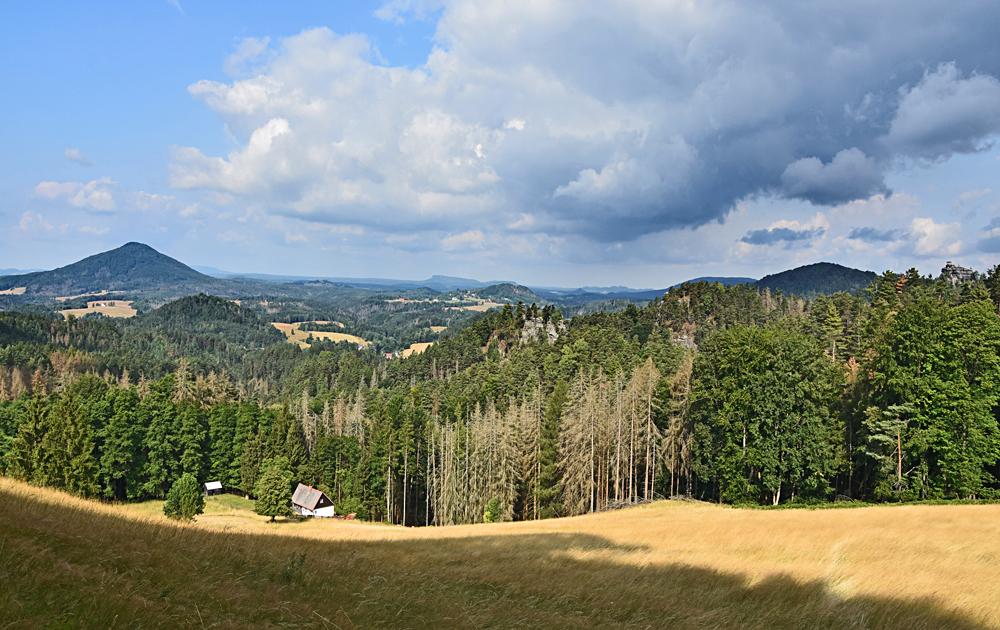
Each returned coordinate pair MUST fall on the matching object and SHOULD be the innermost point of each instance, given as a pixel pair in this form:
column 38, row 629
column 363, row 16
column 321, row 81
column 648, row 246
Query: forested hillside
column 132, row 266
column 818, row 279
column 730, row 394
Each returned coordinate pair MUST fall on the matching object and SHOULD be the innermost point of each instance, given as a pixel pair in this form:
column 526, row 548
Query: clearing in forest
column 479, row 307
column 666, row 564
column 101, row 293
column 108, row 308
column 294, row 333
column 438, row 329
column 416, row 348
column 14, row 291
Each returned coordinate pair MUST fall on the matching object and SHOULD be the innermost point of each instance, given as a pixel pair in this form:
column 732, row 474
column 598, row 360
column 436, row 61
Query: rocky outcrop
column 956, row 274
column 535, row 329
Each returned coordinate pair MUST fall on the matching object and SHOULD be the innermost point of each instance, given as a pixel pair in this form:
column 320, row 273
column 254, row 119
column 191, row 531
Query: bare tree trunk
column 406, row 455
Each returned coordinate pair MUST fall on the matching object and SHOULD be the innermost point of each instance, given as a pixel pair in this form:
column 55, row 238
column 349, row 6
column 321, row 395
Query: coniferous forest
column 730, row 394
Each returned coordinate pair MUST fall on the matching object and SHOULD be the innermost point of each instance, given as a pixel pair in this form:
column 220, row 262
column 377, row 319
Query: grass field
column 294, row 334
column 108, row 308
column 480, row 307
column 14, row 291
column 101, row 293
column 416, row 348
column 67, row 562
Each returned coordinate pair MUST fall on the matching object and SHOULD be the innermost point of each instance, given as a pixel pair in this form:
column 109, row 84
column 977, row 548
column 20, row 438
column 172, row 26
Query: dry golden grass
column 438, row 329
column 14, row 291
column 294, row 334
column 68, row 562
column 416, row 348
column 108, row 308
column 102, row 292
column 480, row 307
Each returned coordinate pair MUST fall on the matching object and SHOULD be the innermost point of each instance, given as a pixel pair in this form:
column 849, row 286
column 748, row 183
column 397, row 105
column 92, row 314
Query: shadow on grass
column 78, row 568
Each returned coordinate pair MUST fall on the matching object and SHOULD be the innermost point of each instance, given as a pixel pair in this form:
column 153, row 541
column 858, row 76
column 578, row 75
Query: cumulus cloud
column 930, row 238
column 76, row 155
column 945, row 113
column 848, row 176
column 95, row 194
column 523, row 110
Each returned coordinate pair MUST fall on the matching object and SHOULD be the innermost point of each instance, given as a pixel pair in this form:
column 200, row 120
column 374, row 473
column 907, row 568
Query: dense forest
column 732, row 394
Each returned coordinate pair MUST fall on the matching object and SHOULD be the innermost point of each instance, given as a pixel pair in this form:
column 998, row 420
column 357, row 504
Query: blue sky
column 569, row 143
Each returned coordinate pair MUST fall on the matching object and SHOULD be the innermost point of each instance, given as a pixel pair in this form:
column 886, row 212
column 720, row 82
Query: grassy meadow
column 68, row 562
column 294, row 334
column 108, row 308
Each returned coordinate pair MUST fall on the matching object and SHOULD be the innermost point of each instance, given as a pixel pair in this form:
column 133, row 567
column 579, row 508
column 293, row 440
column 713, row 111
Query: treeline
column 720, row 393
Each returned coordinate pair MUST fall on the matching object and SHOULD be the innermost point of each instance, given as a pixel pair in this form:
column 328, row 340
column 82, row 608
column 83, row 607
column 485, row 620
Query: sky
column 559, row 143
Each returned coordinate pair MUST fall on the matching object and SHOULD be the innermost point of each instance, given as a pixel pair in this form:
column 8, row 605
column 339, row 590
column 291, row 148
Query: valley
column 774, row 453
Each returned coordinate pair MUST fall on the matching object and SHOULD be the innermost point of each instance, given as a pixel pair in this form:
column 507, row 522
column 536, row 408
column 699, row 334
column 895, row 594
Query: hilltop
column 131, row 267
column 821, row 278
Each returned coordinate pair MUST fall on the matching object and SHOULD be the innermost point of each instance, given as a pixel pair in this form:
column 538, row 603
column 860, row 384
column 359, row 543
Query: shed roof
column 307, row 496
column 213, row 485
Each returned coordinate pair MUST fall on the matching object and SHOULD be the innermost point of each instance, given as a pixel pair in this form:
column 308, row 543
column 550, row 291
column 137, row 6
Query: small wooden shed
column 213, row 487
column 309, row 501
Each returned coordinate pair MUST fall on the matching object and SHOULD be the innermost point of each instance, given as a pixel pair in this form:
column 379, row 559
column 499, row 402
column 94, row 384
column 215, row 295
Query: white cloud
column 248, row 50
column 35, row 223
column 152, row 201
column 972, row 196
column 75, row 155
column 398, row 10
column 472, row 239
column 930, row 238
column 945, row 114
column 603, row 123
column 95, row 194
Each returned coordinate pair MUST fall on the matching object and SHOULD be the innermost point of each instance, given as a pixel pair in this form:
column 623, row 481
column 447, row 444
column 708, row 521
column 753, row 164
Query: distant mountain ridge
column 135, row 267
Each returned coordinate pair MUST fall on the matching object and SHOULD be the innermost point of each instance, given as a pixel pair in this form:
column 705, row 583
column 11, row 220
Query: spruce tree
column 24, row 455
column 549, row 477
column 274, row 489
column 184, row 500
column 121, row 446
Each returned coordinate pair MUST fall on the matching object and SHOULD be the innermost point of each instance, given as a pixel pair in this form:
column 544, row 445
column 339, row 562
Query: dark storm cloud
column 772, row 236
column 874, row 235
column 607, row 120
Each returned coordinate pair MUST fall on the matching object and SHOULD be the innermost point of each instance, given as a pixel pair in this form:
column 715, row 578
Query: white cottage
column 308, row 501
